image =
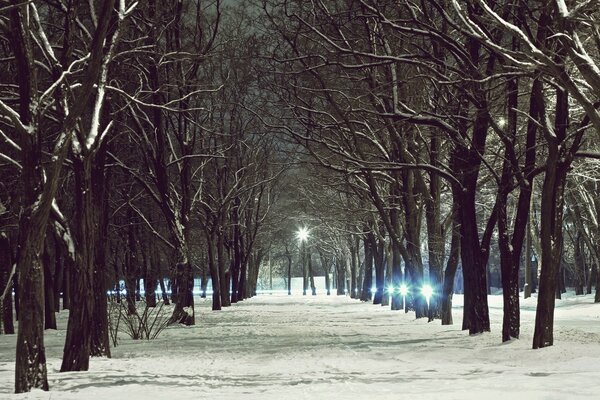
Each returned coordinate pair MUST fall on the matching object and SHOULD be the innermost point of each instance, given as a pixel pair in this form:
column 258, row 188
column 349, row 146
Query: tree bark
column 49, row 316
column 551, row 239
column 450, row 273
column 368, row 274
column 78, row 341
column 6, row 305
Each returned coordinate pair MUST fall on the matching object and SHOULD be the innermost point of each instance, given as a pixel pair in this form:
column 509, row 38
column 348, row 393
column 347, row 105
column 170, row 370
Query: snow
column 332, row 347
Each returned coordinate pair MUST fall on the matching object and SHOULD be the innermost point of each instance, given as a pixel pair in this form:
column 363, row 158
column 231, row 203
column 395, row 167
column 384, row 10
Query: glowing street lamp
column 427, row 291
column 403, row 292
column 302, row 234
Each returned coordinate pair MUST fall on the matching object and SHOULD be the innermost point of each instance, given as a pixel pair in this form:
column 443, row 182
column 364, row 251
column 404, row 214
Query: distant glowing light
column 403, row 290
column 373, row 290
column 502, row 122
column 302, row 234
column 390, row 289
column 427, row 291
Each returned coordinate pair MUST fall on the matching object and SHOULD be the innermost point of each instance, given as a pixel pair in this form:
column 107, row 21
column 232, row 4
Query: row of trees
column 130, row 149
column 439, row 118
column 141, row 140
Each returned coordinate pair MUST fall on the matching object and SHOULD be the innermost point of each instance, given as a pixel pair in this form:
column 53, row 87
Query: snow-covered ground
column 275, row 346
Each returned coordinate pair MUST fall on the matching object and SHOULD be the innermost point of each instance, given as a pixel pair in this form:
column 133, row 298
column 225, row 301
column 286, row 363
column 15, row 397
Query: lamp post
column 404, row 292
column 302, row 236
column 427, row 292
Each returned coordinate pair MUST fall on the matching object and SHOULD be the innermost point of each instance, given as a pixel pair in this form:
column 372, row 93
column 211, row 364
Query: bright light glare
column 390, row 289
column 403, row 290
column 427, row 291
column 373, row 290
column 302, row 234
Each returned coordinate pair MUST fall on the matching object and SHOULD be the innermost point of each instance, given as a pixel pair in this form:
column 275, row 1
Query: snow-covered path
column 274, row 347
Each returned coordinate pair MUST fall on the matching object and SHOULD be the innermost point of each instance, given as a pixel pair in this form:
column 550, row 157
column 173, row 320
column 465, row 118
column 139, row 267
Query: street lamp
column 302, row 234
column 403, row 292
column 427, row 291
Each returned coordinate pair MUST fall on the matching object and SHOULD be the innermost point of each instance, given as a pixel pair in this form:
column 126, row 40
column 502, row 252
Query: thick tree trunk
column 30, row 366
column 76, row 353
column 183, row 295
column 551, row 216
column 6, row 305
column 100, row 343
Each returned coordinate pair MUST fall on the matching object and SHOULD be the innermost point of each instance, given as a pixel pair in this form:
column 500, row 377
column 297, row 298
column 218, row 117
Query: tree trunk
column 214, row 271
column 303, row 261
column 49, row 316
column 100, row 344
column 59, row 271
column 6, row 263
column 450, row 273
column 313, row 288
column 353, row 269
column 379, row 268
column 388, row 286
column 223, row 270
column 551, row 239
column 76, row 353
column 368, row 274
column 163, row 289
column 397, row 280
column 579, row 273
column 288, row 255
column 150, row 278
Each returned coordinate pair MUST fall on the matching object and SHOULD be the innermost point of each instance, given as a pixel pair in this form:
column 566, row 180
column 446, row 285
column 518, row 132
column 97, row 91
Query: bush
column 146, row 325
